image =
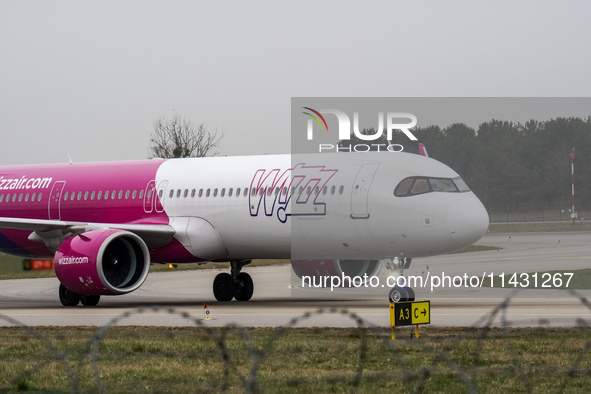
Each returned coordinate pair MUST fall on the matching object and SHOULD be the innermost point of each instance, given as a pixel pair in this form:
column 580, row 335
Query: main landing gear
column 398, row 293
column 69, row 298
column 236, row 284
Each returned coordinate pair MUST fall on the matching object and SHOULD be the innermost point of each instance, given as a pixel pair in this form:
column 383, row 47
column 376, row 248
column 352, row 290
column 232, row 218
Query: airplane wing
column 155, row 235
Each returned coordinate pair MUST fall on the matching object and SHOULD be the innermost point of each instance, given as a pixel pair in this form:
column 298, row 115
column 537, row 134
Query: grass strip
column 303, row 360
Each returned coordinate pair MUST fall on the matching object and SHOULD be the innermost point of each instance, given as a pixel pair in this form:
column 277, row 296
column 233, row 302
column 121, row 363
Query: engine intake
column 102, row 262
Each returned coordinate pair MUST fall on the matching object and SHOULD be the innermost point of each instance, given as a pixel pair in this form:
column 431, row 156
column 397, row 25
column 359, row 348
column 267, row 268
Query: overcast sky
column 89, row 78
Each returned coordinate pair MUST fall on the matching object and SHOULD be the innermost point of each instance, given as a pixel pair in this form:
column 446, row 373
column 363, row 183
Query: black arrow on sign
column 424, row 312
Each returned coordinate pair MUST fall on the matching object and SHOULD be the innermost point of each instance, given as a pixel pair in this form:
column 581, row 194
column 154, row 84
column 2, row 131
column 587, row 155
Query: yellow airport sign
column 410, row 313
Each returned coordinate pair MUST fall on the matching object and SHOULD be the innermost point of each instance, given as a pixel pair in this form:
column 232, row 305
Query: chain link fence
column 250, row 361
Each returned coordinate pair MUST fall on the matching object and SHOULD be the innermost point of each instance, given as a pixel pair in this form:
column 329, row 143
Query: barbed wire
column 414, row 378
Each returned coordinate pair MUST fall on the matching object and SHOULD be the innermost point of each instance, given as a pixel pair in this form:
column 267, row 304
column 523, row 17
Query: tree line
column 509, row 165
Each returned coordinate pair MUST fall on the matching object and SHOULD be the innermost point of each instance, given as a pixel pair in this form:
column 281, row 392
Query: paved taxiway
column 34, row 301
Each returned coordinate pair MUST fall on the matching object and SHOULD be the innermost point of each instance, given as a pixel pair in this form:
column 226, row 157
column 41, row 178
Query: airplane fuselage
column 301, row 207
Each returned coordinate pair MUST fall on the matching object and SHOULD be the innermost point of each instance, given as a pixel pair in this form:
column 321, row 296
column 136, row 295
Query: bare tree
column 179, row 137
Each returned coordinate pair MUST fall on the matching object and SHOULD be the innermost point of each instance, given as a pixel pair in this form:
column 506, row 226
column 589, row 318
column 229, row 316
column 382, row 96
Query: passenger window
column 200, row 192
column 66, row 196
column 100, row 194
column 119, row 195
column 193, row 193
column 113, row 195
column 142, row 194
column 39, row 196
column 27, row 197
column 178, row 193
column 223, row 192
column 127, row 194
column 215, row 192
column 72, row 197
column 79, row 196
column 92, row 196
column 171, row 193
column 230, row 192
column 341, row 189
column 134, row 194
column 333, row 189
column 186, row 193
column 207, row 193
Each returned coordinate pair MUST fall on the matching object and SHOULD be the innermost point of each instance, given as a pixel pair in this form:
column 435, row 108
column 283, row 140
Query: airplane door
column 55, row 200
column 160, row 196
column 149, row 196
column 360, row 192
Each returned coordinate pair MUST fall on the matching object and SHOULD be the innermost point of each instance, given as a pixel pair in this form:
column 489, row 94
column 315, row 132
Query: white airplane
column 105, row 223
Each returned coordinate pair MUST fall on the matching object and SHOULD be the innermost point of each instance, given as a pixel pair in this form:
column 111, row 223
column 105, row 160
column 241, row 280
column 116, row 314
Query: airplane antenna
column 70, row 161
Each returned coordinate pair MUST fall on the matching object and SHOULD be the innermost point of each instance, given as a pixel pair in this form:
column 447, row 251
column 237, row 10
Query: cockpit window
column 442, row 185
column 404, row 186
column 462, row 187
column 419, row 185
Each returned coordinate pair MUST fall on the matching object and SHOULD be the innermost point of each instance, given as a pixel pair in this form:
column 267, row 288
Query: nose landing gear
column 398, row 293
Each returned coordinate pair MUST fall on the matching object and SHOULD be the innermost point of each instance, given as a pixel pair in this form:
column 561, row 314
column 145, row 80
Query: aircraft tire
column 90, row 300
column 395, row 295
column 401, row 294
column 223, row 287
column 67, row 297
column 244, row 288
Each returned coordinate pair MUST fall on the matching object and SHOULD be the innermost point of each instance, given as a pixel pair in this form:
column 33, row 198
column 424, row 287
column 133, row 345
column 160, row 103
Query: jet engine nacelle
column 323, row 268
column 102, row 262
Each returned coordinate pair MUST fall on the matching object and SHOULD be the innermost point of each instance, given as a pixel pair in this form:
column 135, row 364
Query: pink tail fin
column 423, row 150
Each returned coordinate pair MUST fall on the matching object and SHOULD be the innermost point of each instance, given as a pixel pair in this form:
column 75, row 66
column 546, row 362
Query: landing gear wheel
column 401, row 294
column 90, row 300
column 67, row 297
column 223, row 287
column 243, row 287
column 395, row 295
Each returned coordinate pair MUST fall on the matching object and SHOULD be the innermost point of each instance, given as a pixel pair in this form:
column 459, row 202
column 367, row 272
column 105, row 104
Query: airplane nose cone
column 467, row 221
